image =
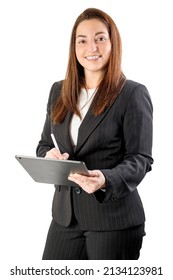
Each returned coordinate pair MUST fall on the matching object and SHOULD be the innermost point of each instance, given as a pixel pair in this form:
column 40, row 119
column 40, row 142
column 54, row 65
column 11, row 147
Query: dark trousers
column 73, row 243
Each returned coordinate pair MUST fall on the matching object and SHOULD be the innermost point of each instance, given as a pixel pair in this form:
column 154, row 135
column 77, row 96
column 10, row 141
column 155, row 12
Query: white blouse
column 84, row 103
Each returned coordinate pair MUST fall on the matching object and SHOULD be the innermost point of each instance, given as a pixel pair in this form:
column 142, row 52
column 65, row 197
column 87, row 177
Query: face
column 93, row 45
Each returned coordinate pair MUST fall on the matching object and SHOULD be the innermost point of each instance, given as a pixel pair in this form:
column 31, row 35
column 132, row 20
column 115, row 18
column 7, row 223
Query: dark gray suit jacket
column 118, row 142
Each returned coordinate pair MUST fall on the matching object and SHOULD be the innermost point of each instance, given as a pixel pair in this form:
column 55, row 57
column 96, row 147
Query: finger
column 73, row 177
column 50, row 154
column 78, row 179
column 85, row 182
column 94, row 173
column 58, row 155
column 55, row 154
column 65, row 156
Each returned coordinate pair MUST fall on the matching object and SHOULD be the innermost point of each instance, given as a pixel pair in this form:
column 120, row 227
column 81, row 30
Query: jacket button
column 78, row 190
column 113, row 198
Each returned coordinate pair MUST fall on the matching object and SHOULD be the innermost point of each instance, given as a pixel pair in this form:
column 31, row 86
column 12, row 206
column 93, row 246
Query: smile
column 93, row 57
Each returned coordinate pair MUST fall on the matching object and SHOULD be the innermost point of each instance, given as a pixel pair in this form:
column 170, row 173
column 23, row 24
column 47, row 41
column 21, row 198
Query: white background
column 33, row 55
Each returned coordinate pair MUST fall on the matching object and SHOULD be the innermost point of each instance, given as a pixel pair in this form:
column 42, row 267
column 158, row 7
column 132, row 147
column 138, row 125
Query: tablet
column 52, row 171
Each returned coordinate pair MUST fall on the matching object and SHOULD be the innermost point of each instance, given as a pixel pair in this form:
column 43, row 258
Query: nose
column 92, row 46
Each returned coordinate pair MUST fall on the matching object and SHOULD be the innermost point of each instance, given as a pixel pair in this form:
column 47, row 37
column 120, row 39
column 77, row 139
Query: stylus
column 54, row 142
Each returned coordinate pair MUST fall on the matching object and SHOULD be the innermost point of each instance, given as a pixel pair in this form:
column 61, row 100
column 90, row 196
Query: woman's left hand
column 91, row 183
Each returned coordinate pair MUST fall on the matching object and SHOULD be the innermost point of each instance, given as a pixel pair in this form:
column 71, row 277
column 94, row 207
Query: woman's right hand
column 54, row 153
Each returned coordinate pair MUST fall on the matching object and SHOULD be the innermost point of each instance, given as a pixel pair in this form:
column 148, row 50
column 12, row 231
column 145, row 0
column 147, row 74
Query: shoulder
column 138, row 96
column 56, row 88
column 133, row 89
column 130, row 86
column 135, row 95
column 55, row 91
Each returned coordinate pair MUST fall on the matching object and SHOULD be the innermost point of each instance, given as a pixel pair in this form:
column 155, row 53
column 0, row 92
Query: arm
column 137, row 129
column 137, row 160
column 46, row 146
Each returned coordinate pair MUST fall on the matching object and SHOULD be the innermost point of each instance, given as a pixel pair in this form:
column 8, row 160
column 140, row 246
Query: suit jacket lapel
column 62, row 135
column 88, row 125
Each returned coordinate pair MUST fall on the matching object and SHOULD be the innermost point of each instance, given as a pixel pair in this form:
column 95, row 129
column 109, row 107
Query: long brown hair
column 111, row 83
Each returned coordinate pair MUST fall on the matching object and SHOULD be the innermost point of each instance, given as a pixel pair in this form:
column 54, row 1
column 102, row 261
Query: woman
column 99, row 117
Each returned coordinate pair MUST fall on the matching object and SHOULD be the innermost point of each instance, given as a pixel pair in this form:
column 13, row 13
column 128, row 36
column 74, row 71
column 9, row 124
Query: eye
column 82, row 41
column 101, row 39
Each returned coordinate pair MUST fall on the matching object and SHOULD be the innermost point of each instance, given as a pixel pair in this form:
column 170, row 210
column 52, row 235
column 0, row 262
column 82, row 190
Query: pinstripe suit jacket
column 118, row 142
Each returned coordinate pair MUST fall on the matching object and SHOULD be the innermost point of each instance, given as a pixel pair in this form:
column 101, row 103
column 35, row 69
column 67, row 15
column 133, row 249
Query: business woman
column 99, row 117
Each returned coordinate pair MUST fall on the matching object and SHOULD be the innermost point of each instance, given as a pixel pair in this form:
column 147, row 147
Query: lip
column 92, row 57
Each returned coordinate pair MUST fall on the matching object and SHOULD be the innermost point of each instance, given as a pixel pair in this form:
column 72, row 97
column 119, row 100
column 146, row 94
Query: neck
column 92, row 79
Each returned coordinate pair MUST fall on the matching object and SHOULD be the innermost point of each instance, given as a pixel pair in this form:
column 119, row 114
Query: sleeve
column 46, row 143
column 137, row 160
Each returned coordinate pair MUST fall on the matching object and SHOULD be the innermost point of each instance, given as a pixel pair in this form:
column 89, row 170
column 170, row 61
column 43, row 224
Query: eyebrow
column 98, row 33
